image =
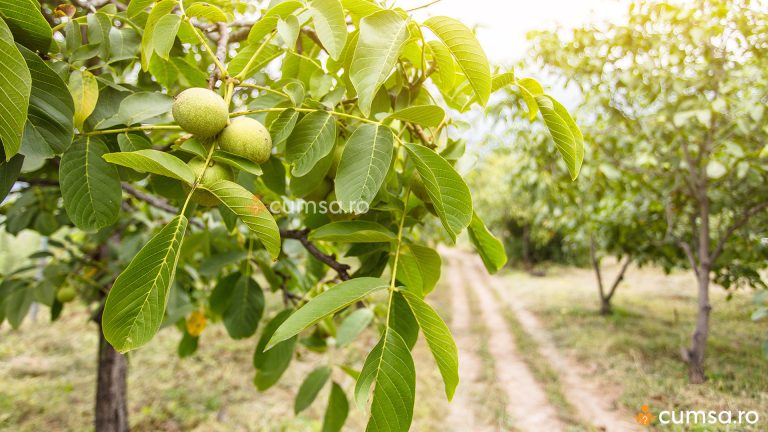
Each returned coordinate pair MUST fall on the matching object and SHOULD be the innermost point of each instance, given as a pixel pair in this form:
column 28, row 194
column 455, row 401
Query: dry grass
column 47, row 382
column 636, row 351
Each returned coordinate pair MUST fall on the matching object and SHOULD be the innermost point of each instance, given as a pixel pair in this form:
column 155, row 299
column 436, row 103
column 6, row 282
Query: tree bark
column 111, row 388
column 701, row 333
column 695, row 354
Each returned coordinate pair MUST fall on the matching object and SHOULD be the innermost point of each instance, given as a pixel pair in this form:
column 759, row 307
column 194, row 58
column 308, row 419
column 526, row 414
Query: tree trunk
column 605, row 306
column 111, row 397
column 695, row 355
column 526, row 249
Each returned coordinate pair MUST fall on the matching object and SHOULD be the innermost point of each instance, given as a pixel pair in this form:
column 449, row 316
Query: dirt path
column 462, row 416
column 526, row 400
column 596, row 404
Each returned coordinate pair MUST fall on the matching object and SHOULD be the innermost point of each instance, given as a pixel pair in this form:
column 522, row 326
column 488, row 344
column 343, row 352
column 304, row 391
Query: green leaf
column 246, row 306
column 27, row 24
column 330, row 25
column 337, row 411
column 221, row 296
column 138, row 108
column 187, row 345
column 490, row 248
column 271, row 364
column 264, row 26
column 361, row 8
column 51, row 110
column 282, row 127
column 382, row 37
column 310, row 388
column 353, row 325
column 89, row 185
column 530, row 89
column 315, row 179
column 136, row 303
column 129, row 142
column 165, row 34
column 363, row 166
column 206, row 11
column 446, row 66
column 425, row 115
column 327, row 303
column 237, row 162
column 565, row 133
column 250, row 210
column 389, row 368
column 154, row 162
column 85, row 94
column 357, row 231
column 15, row 88
column 402, row 321
column 419, row 268
column 439, row 339
column 237, row 65
column 497, row 83
column 311, row 140
column 16, row 297
column 450, row 195
column 159, row 11
column 288, row 29
column 136, row 7
column 9, row 173
column 465, row 48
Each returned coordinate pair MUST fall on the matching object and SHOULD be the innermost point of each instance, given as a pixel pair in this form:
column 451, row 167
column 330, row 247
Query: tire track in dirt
column 596, row 405
column 462, row 417
column 526, row 400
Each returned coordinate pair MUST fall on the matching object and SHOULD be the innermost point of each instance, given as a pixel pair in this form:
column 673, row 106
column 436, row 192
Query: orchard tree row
column 674, row 110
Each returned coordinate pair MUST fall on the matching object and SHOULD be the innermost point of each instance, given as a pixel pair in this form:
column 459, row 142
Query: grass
column 47, row 382
column 637, row 349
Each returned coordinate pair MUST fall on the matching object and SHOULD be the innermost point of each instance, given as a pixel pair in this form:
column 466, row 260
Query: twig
column 38, row 182
column 329, row 260
column 423, row 6
column 221, row 52
column 158, row 203
column 416, row 129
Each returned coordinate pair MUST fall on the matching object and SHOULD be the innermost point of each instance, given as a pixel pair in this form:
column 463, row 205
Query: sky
column 502, row 24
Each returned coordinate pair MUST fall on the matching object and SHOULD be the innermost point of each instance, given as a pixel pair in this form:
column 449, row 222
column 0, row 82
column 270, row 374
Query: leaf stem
column 307, row 110
column 241, row 76
column 131, row 129
column 199, row 178
column 201, row 38
column 262, row 88
column 400, row 237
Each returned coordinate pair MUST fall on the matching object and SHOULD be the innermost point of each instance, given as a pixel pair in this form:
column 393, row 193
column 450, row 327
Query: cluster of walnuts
column 205, row 114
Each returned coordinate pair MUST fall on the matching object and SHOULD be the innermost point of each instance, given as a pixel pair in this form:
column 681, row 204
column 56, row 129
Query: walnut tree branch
column 329, row 260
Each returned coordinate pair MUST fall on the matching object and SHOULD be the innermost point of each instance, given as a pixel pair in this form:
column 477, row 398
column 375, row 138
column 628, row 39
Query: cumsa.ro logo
column 644, row 417
column 700, row 417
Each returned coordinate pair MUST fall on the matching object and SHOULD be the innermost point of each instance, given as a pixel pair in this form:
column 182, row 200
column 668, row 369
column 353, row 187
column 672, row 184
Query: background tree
column 155, row 227
column 551, row 219
column 670, row 84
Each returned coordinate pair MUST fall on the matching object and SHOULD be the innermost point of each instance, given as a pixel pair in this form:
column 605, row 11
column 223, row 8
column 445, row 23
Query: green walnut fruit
column 419, row 189
column 248, row 138
column 66, row 294
column 200, row 112
column 215, row 171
